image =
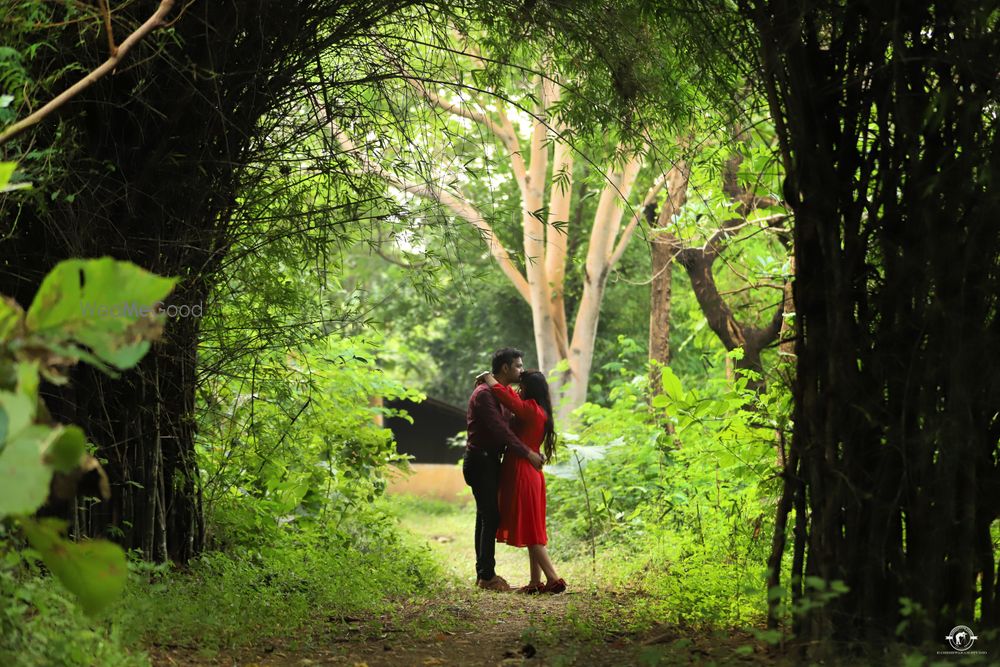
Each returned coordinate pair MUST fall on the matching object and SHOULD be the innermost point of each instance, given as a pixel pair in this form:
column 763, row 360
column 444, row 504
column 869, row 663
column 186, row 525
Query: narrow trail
column 462, row 625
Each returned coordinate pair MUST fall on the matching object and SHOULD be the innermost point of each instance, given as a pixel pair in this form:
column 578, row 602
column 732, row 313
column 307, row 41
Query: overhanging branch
column 157, row 20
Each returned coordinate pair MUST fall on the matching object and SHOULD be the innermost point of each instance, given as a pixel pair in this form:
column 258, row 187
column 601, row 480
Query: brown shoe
column 497, row 584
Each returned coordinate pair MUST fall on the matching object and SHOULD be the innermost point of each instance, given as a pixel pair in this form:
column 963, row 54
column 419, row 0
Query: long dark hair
column 535, row 388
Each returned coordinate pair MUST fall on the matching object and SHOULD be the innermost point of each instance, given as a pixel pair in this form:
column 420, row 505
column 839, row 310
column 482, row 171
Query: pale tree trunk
column 607, row 220
column 534, row 230
column 556, row 240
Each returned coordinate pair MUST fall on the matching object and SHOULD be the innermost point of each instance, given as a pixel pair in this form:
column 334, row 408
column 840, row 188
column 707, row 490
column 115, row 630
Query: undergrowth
column 218, row 601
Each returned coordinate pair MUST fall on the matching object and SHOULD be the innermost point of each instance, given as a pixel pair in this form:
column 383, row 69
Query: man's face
column 511, row 372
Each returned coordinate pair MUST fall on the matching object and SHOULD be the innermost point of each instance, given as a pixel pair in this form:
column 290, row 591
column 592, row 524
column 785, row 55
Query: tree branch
column 720, row 318
column 157, row 20
column 504, row 130
column 458, row 110
column 457, row 205
column 773, row 328
column 106, row 13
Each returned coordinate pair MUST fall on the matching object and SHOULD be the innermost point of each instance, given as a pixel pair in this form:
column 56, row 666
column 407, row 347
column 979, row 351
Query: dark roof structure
column 426, row 439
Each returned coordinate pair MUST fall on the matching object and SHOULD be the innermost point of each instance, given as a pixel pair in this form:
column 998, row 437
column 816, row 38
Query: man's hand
column 536, row 460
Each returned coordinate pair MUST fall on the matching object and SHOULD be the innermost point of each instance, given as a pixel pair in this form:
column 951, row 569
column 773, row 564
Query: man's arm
column 489, row 409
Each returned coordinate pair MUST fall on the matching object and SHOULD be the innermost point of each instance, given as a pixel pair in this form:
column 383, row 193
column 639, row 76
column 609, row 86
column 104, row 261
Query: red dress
column 522, row 487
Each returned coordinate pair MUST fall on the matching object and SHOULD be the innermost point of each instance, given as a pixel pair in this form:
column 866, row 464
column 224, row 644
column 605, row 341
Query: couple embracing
column 507, row 433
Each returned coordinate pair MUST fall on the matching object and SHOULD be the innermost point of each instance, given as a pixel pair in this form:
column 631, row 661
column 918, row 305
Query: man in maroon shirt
column 489, row 436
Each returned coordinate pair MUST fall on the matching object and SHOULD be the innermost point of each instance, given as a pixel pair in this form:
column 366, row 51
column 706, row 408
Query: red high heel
column 557, row 586
column 531, row 589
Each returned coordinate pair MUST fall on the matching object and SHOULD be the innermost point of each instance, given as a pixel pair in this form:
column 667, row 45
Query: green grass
column 405, row 506
column 661, row 577
column 227, row 601
column 41, row 625
column 412, row 573
column 290, row 594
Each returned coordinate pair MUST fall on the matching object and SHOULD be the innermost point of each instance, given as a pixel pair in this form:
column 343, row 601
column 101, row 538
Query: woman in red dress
column 522, row 487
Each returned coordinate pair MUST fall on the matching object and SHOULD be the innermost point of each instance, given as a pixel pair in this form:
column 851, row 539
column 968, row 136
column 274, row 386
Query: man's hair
column 504, row 356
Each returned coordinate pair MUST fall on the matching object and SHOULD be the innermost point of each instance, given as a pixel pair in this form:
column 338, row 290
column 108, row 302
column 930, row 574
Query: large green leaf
column 93, row 570
column 16, row 412
column 11, row 314
column 24, row 478
column 67, row 449
column 671, row 384
column 100, row 303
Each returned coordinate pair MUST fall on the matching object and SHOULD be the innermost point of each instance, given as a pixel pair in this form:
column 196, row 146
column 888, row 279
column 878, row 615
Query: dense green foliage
column 299, row 443
column 224, row 600
column 334, row 279
column 688, row 511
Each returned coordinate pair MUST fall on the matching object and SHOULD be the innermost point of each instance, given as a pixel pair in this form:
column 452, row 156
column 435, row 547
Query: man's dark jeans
column 482, row 472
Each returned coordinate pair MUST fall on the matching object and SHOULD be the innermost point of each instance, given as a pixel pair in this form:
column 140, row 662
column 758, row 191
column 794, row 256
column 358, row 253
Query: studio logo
column 961, row 638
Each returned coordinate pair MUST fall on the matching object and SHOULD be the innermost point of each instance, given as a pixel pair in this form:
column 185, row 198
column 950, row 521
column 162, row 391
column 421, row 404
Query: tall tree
column 541, row 161
column 887, row 114
column 147, row 164
column 698, row 259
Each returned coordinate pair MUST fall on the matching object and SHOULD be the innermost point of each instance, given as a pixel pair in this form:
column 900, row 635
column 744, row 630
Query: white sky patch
column 407, row 242
column 495, row 180
column 522, row 120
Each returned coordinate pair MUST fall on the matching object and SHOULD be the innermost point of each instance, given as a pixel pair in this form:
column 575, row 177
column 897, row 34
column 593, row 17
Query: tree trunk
column 663, row 246
column 601, row 248
column 698, row 262
column 888, row 133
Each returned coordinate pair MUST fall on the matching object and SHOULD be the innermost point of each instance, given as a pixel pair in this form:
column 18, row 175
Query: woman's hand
column 486, row 377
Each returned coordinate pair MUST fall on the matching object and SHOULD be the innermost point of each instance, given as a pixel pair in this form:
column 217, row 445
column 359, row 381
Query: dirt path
column 461, row 625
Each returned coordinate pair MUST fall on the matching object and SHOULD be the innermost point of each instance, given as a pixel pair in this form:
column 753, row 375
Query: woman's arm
column 510, row 399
